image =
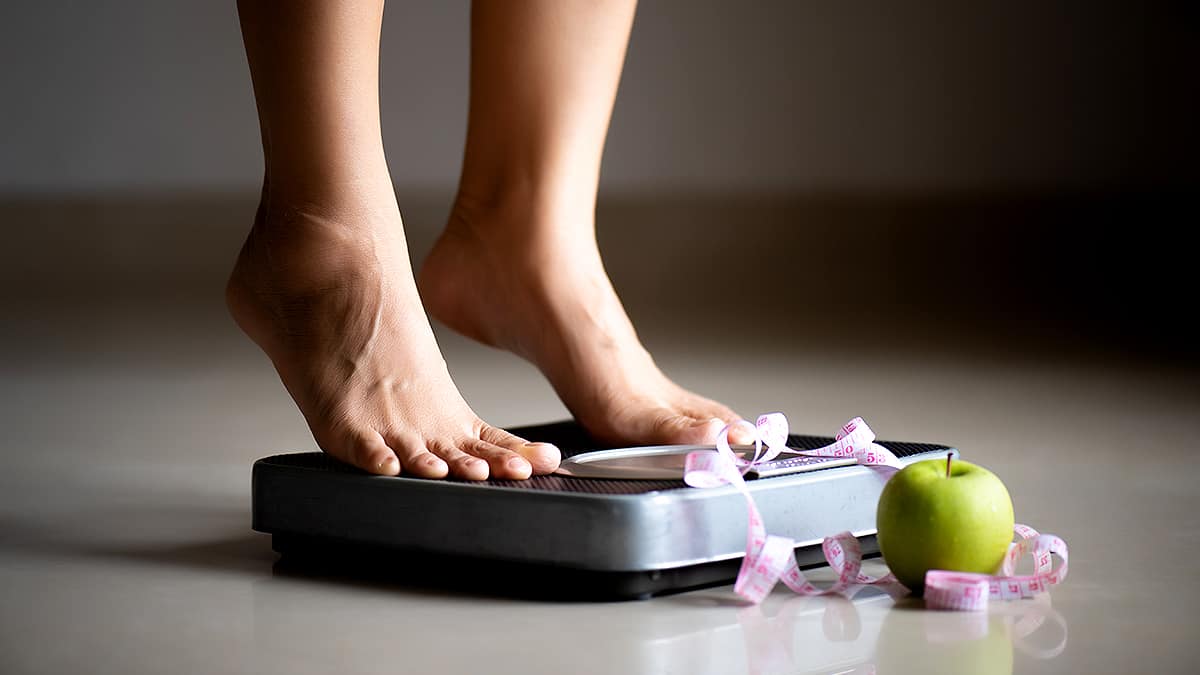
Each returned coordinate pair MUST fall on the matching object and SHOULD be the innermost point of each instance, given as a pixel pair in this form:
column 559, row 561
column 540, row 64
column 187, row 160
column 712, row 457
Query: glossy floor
column 125, row 544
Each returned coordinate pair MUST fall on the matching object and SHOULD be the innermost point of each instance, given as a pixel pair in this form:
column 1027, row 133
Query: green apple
column 941, row 514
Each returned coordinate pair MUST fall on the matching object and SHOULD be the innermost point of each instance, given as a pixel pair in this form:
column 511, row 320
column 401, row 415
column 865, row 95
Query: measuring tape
column 770, row 558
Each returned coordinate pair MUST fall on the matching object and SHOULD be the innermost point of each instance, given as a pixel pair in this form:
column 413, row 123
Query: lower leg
column 518, row 266
column 323, row 283
column 544, row 77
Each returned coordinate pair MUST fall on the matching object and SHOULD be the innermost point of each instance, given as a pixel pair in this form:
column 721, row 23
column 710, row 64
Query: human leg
column 323, row 282
column 518, row 266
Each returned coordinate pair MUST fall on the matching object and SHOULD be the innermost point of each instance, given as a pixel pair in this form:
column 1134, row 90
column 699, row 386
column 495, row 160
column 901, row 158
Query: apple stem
column 949, row 456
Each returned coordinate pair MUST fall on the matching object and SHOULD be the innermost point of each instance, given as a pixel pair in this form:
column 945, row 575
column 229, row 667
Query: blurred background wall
column 140, row 95
column 994, row 165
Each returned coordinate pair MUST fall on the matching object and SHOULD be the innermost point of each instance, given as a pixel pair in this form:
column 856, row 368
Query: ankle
column 524, row 221
column 337, row 196
column 312, row 239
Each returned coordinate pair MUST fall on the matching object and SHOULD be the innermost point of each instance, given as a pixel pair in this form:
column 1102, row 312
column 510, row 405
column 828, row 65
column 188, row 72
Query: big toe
column 543, row 458
column 680, row 429
column 670, row 427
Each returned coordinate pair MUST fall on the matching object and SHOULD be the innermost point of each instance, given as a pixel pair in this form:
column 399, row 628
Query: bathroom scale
column 613, row 523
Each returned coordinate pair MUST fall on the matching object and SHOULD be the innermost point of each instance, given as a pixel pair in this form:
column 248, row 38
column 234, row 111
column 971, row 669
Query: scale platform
column 553, row 536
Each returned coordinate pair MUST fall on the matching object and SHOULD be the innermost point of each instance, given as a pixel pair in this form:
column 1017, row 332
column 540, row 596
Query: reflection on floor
column 130, row 411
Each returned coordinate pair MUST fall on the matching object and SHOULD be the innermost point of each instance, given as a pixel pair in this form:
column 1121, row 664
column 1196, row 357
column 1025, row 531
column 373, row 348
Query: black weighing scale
column 613, row 524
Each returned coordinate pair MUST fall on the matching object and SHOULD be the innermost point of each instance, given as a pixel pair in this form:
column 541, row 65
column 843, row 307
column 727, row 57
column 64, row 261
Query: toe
column 504, row 463
column 706, row 411
column 462, row 465
column 741, row 434
column 369, row 452
column 674, row 428
column 542, row 457
column 416, row 459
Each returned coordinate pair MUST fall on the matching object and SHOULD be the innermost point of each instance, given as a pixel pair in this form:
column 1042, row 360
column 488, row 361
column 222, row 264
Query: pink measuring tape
column 770, row 559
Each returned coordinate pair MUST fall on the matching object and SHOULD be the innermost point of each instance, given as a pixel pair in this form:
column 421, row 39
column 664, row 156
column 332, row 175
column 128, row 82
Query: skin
column 323, row 283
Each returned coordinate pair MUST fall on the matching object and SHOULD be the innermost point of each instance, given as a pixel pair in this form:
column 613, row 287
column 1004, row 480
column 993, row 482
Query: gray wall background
column 150, row 96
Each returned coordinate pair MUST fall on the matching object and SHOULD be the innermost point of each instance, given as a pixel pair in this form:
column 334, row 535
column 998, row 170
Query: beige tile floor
column 125, row 544
column 128, row 427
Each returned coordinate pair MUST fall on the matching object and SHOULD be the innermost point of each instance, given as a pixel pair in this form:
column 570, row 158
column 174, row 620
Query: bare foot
column 542, row 293
column 329, row 296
